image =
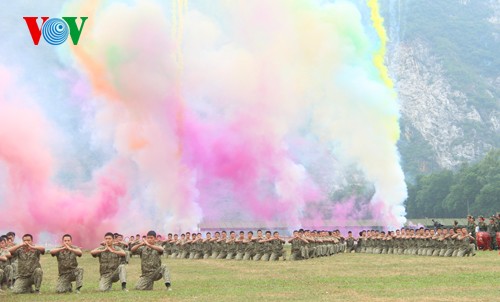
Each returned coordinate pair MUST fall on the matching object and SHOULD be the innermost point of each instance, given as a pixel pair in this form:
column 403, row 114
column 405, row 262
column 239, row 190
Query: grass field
column 346, row 277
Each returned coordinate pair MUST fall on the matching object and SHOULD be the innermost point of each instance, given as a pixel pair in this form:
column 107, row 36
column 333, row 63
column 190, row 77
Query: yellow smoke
column 378, row 59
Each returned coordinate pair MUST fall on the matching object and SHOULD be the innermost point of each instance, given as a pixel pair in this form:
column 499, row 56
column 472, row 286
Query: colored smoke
column 205, row 113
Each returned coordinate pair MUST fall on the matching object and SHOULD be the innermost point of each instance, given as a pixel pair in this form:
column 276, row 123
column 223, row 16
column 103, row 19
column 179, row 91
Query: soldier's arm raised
column 136, row 247
column 156, row 247
column 16, row 247
column 97, row 251
column 39, row 248
column 76, row 250
column 56, row 250
column 120, row 252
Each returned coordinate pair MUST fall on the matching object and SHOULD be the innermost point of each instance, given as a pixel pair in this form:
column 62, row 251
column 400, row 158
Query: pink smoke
column 33, row 201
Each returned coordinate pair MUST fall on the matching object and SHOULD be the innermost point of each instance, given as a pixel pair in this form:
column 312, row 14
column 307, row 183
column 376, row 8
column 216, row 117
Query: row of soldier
column 423, row 242
column 20, row 267
column 268, row 246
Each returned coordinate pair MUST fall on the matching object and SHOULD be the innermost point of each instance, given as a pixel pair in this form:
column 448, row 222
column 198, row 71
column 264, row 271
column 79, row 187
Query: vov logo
column 54, row 30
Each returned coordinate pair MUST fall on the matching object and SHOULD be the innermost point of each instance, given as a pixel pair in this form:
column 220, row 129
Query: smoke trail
column 378, row 24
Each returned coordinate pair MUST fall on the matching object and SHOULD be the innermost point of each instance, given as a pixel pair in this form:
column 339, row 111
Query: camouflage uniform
column 29, row 270
column 277, row 250
column 207, row 249
column 295, row 253
column 231, row 249
column 68, row 271
column 240, row 250
column 111, row 268
column 222, row 249
column 350, row 245
column 5, row 269
column 492, row 230
column 151, row 268
column 250, row 248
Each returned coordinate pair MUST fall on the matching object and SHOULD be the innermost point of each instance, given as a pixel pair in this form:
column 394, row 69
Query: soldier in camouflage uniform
column 5, row 267
column 222, row 242
column 296, row 243
column 214, row 242
column 482, row 225
column 250, row 246
column 207, row 246
column 492, row 230
column 350, row 243
column 68, row 266
column 29, row 270
column 266, row 246
column 277, row 249
column 181, row 244
column 167, row 246
column 240, row 246
column 175, row 246
column 258, row 246
column 124, row 246
column 231, row 245
column 111, row 267
column 151, row 268
column 11, row 237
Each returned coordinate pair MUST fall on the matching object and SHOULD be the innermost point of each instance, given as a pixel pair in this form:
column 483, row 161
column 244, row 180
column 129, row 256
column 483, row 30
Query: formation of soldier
column 422, row 242
column 20, row 267
column 263, row 246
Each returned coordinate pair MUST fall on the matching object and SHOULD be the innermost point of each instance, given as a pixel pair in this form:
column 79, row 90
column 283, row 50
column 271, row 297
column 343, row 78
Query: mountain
column 444, row 58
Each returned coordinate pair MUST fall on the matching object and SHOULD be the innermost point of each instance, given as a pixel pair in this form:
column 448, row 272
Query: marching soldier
column 68, row 266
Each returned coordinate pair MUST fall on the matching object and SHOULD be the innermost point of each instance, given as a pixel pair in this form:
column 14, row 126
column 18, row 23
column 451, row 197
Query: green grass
column 345, row 277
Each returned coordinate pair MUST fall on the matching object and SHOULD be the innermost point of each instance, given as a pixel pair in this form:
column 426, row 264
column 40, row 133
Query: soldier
column 482, row 225
column 5, row 267
column 295, row 241
column 215, row 245
column 258, row 246
column 471, row 225
column 111, row 267
column 277, row 249
column 240, row 246
column 29, row 270
column 151, row 268
column 68, row 266
column 467, row 248
column 183, row 246
column 124, row 246
column 492, row 230
column 250, row 246
column 175, row 247
column 197, row 247
column 231, row 245
column 167, row 245
column 11, row 237
column 350, row 243
column 207, row 246
column 222, row 246
column 266, row 246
